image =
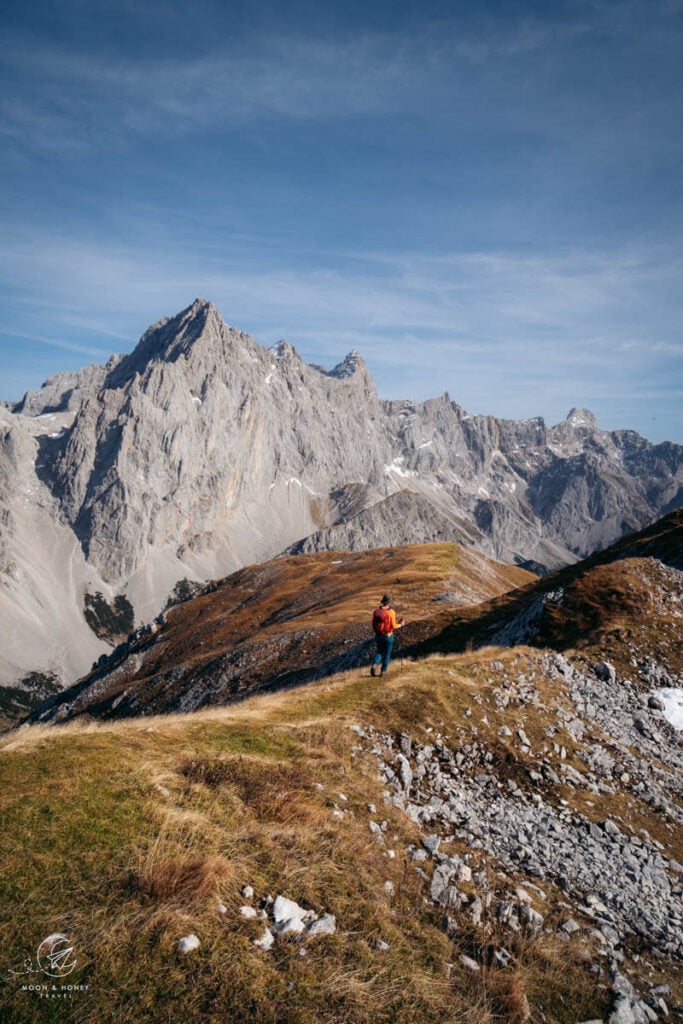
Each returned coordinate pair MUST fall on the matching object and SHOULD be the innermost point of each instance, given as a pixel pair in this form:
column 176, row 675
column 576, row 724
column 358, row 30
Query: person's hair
column 385, row 600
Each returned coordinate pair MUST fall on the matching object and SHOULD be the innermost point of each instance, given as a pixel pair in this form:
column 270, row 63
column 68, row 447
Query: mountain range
column 202, row 452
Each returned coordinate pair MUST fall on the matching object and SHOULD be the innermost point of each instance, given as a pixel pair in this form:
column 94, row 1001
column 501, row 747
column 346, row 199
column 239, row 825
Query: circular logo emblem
column 55, row 956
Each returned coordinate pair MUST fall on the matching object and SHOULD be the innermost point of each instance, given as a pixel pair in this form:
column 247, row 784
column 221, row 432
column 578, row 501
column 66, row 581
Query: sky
column 483, row 198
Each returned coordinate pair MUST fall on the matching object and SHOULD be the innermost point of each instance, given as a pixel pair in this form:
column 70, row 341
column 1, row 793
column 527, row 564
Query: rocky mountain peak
column 168, row 340
column 352, row 364
column 285, row 352
column 581, row 419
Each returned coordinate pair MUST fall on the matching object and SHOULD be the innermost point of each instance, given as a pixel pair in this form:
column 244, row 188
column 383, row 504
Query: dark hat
column 386, row 600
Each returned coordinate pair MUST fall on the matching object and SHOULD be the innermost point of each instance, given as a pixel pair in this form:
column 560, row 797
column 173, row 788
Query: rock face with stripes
column 202, row 451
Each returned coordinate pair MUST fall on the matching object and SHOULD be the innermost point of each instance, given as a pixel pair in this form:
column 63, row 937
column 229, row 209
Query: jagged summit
column 285, row 351
column 167, row 340
column 351, row 364
column 581, row 419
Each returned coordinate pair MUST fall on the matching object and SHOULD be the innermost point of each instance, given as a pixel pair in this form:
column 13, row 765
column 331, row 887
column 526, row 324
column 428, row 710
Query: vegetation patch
column 109, row 622
column 18, row 701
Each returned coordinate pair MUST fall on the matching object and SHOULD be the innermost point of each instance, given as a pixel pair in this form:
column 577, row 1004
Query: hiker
column 384, row 625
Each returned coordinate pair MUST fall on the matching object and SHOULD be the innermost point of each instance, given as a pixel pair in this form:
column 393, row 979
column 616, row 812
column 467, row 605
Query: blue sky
column 483, row 198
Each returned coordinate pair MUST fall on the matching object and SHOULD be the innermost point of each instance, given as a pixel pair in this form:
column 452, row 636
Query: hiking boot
column 373, row 670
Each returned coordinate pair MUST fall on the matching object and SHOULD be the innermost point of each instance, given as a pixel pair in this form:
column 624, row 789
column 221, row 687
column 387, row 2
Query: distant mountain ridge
column 202, row 451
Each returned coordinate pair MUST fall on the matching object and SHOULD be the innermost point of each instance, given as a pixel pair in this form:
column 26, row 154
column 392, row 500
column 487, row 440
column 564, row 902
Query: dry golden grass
column 128, row 834
column 292, row 619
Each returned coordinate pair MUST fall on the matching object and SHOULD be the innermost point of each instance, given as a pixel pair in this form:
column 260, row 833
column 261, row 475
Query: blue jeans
column 384, row 647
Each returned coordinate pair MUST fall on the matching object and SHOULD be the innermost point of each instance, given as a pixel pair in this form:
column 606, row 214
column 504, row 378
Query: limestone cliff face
column 213, row 450
column 201, row 451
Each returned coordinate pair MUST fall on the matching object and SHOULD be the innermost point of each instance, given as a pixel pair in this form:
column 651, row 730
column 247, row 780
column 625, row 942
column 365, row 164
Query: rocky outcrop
column 201, row 451
column 66, row 391
column 402, row 518
column 617, row 878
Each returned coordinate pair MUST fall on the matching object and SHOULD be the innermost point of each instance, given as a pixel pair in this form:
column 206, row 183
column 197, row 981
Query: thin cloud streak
column 541, row 333
column 74, row 100
column 68, row 346
column 465, row 297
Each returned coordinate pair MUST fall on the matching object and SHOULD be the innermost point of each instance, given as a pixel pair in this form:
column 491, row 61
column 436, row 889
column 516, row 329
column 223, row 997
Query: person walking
column 384, row 626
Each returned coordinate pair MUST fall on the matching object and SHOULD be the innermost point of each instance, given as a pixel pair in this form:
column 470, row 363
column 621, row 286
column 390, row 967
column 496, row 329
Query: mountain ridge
column 202, row 451
column 297, row 619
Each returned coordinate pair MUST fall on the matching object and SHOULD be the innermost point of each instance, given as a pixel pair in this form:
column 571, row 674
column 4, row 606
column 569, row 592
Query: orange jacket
column 392, row 619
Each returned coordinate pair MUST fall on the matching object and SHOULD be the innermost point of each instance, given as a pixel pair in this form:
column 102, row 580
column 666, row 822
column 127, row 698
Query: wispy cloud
column 64, row 97
column 100, row 354
column 519, row 335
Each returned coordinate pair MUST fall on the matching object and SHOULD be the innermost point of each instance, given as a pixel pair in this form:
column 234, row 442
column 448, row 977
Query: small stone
column 383, row 946
column 431, row 843
column 570, row 926
column 221, row 908
column 286, row 910
column 469, row 963
column 266, row 940
column 188, row 944
column 389, row 888
column 248, row 912
column 325, row 925
column 247, row 892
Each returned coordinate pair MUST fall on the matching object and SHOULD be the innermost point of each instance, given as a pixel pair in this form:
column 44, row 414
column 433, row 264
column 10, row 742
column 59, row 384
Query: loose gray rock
column 469, row 963
column 188, row 944
column 324, row 925
column 266, row 941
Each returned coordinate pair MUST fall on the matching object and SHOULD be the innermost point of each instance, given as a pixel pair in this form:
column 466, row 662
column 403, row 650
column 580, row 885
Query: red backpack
column 381, row 621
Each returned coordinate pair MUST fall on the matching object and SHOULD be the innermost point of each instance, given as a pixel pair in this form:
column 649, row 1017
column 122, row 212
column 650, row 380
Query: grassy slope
column 599, row 594
column 93, row 847
column 290, row 620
